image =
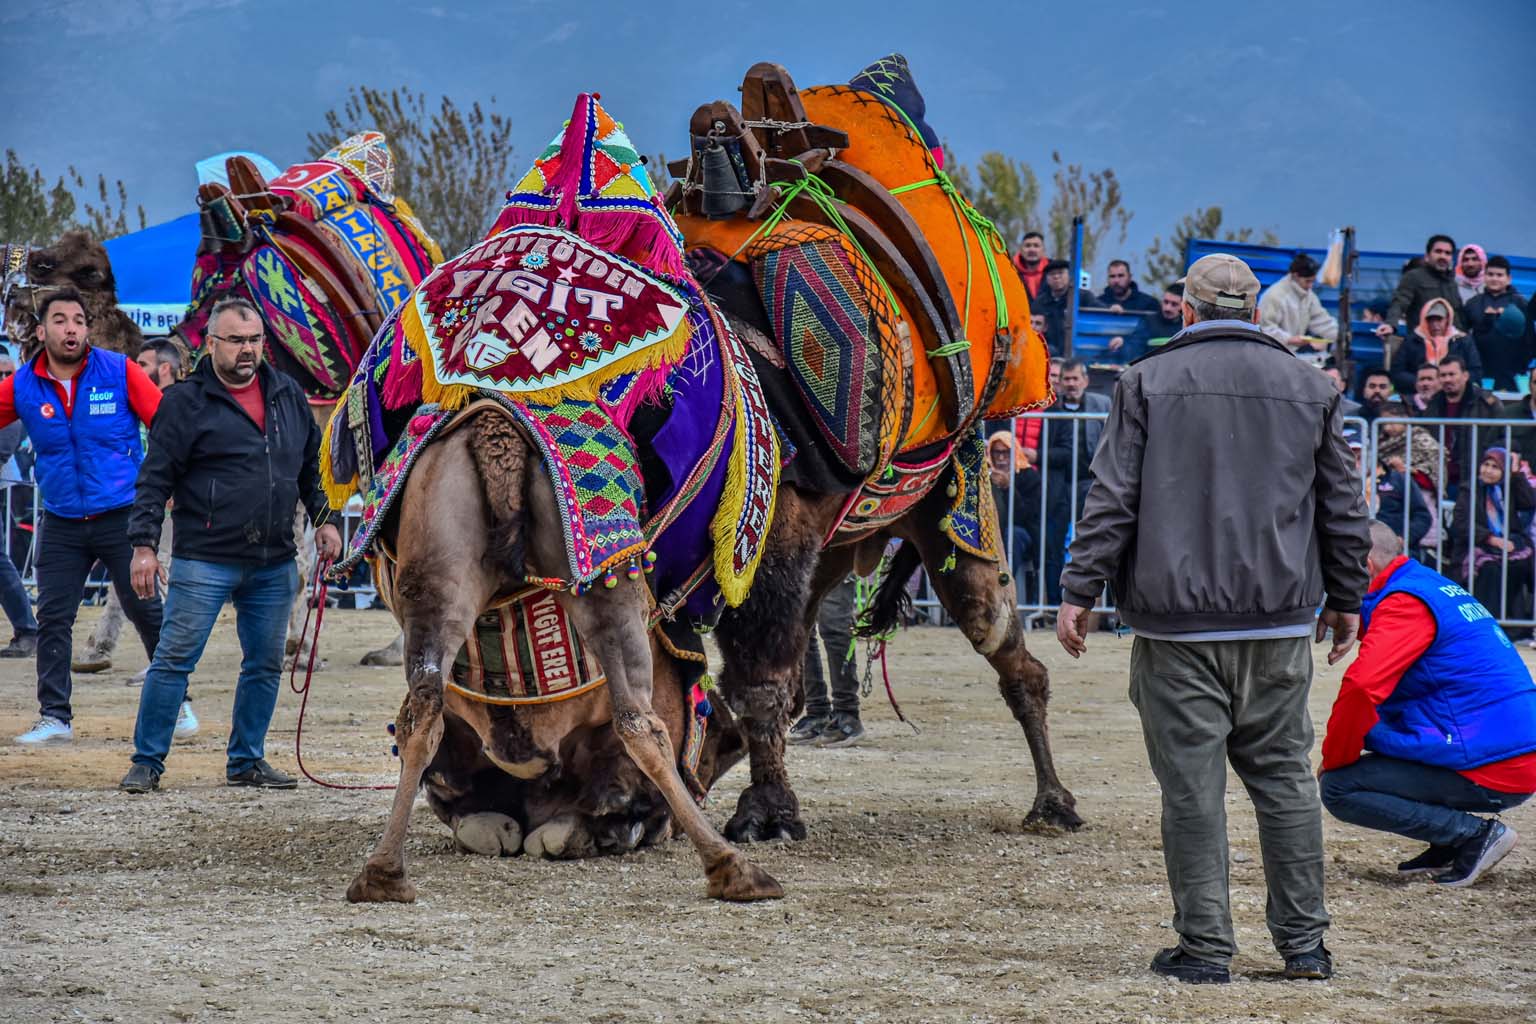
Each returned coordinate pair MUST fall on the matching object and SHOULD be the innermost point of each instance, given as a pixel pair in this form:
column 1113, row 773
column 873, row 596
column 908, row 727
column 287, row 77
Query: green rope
column 819, row 193
column 953, row 348
column 987, row 238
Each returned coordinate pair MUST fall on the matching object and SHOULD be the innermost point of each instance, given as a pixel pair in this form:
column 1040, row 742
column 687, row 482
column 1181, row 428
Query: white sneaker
column 186, row 721
column 47, row 730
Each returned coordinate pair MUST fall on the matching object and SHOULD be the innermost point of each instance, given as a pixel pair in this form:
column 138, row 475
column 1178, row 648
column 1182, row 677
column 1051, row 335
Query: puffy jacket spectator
column 1030, row 261
column 1400, row 499
column 1156, row 328
column 1470, row 264
column 1497, row 317
column 1434, row 339
column 1055, row 302
column 1495, row 515
column 1122, row 295
column 1431, row 279
column 1459, row 398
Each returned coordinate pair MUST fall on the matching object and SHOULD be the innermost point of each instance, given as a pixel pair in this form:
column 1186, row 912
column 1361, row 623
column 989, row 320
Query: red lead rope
column 321, row 588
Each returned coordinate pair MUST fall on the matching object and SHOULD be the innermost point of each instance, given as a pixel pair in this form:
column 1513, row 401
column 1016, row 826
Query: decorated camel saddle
column 326, row 251
column 888, row 306
column 576, row 317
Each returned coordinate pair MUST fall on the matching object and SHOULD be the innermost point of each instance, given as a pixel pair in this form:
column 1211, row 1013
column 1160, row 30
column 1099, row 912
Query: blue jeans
column 1416, row 800
column 262, row 596
column 14, row 599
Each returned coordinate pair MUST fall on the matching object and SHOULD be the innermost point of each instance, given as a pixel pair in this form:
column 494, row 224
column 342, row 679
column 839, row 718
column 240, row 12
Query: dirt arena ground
column 918, row 897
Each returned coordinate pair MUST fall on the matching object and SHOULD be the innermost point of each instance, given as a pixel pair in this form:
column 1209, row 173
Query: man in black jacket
column 1460, row 399
column 1224, row 506
column 1054, row 302
column 1122, row 295
column 1432, row 279
column 236, row 447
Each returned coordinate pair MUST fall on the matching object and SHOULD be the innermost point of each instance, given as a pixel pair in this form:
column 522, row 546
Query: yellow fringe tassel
column 735, row 586
column 337, row 493
column 668, row 350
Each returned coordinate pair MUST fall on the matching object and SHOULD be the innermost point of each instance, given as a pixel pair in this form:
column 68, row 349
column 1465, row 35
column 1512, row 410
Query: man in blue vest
column 82, row 408
column 1445, row 708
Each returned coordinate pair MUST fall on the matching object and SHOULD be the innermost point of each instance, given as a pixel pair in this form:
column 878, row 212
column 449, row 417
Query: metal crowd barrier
column 14, row 496
column 1505, row 582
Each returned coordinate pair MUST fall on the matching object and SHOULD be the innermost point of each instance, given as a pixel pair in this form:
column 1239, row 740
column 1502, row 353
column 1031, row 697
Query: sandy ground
column 918, row 897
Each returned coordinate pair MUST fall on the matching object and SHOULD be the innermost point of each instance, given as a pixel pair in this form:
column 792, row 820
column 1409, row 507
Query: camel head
column 79, row 261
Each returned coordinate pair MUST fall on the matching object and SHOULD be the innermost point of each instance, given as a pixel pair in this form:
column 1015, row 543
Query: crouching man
column 1447, row 712
column 236, row 446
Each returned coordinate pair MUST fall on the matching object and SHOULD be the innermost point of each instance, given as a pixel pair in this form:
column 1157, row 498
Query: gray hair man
column 1221, row 531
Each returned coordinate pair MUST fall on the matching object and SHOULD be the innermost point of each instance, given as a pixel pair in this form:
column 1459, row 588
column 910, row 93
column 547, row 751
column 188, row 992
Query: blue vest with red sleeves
column 86, row 463
column 1469, row 700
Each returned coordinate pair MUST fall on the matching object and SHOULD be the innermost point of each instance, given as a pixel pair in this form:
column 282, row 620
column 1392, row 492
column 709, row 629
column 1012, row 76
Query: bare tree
column 1094, row 196
column 33, row 212
column 450, row 164
column 1164, row 262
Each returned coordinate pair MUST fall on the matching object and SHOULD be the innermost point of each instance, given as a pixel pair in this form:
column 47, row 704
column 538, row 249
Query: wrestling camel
column 477, row 515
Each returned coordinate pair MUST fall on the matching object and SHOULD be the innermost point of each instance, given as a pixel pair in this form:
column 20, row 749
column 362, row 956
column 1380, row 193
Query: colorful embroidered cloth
column 821, row 318
column 972, row 520
column 540, row 312
column 526, row 652
column 569, row 216
column 345, row 243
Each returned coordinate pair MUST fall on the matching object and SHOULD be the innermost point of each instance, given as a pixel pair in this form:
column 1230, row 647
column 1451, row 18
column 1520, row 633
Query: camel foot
column 377, row 885
column 383, row 656
column 558, row 839
column 1056, row 810
column 764, row 813
column 488, row 834
column 91, row 661
column 737, row 879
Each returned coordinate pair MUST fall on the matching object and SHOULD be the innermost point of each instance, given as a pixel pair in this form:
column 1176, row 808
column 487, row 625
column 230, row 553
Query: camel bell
column 723, row 195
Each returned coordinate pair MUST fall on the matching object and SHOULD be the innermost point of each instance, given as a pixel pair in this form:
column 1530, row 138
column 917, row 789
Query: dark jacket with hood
column 1415, row 352
column 1224, row 497
column 1418, row 286
column 235, row 486
column 1137, row 301
column 1504, row 356
column 1055, row 311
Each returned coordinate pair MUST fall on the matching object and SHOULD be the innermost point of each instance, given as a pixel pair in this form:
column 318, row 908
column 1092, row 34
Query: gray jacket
column 1224, row 496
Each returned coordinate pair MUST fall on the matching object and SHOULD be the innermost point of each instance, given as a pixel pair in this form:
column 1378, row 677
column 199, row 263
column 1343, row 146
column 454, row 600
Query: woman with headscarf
column 1015, row 491
column 1435, row 337
column 1495, row 516
column 1469, row 271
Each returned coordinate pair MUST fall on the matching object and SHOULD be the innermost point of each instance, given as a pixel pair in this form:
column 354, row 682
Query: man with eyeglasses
column 236, row 447
column 82, row 407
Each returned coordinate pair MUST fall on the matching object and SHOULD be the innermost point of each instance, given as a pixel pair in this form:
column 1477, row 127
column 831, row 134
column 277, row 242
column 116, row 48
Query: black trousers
column 835, row 622
column 67, row 548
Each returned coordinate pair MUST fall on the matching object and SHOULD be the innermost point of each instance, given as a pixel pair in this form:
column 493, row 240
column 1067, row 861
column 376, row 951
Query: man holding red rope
column 236, row 446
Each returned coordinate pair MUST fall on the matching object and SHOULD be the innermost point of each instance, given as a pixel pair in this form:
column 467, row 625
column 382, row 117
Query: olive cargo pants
column 1205, row 703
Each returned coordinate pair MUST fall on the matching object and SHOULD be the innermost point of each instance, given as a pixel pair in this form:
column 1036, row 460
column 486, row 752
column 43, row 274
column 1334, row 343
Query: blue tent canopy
column 153, row 268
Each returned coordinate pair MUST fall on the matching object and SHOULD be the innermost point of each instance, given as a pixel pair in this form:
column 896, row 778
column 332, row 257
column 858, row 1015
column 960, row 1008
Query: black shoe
column 1313, row 965
column 262, row 776
column 22, row 645
column 844, row 730
column 1478, row 854
column 1173, row 962
column 808, row 729
column 1431, row 862
column 141, row 778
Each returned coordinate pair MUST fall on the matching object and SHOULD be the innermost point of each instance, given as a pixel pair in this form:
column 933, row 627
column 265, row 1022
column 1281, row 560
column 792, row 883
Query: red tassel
column 402, row 384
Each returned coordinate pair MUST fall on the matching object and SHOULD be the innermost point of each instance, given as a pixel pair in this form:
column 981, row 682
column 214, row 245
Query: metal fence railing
column 1481, row 535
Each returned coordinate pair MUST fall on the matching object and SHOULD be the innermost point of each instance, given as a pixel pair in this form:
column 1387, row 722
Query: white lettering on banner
column 1452, row 590
column 599, row 301
column 554, row 667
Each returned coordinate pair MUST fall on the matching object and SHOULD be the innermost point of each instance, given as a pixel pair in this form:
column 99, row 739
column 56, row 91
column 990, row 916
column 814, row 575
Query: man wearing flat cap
column 1224, row 509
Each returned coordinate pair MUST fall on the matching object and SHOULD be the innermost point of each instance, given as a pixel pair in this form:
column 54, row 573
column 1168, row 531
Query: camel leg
column 763, row 644
column 393, row 654
column 304, row 560
column 984, row 607
column 442, row 586
column 613, row 624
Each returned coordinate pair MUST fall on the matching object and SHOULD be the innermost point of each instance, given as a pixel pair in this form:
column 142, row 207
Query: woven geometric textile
column 972, row 520
column 596, row 474
column 893, row 493
column 526, row 652
column 821, row 320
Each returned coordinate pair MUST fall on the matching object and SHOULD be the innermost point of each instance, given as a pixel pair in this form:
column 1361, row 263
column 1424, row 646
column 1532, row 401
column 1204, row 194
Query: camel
column 478, row 513
column 76, row 260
